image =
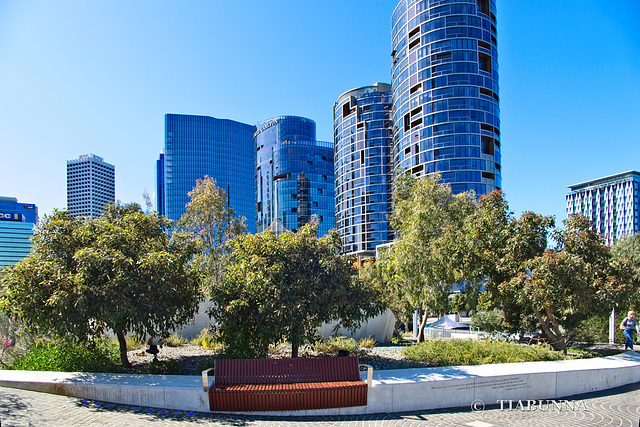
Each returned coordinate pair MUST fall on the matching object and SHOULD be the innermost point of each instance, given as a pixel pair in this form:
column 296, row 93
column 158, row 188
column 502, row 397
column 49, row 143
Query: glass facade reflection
column 362, row 120
column 223, row 149
column 17, row 221
column 445, row 92
column 294, row 175
column 160, row 185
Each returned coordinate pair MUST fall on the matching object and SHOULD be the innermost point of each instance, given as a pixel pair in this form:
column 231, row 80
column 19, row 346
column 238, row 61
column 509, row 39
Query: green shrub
column 135, row 342
column 208, row 363
column 208, row 340
column 490, row 321
column 333, row 345
column 595, row 329
column 368, row 342
column 174, row 340
column 63, row 355
column 166, row 367
column 470, row 352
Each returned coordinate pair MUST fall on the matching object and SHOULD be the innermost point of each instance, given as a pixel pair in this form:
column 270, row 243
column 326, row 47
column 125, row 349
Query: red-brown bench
column 287, row 384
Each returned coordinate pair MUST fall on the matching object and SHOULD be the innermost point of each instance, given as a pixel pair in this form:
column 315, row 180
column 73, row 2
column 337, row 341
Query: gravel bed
column 192, row 357
column 380, row 357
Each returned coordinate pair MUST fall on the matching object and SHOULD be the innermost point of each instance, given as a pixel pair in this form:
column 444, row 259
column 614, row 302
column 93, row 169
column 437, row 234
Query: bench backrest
column 285, row 371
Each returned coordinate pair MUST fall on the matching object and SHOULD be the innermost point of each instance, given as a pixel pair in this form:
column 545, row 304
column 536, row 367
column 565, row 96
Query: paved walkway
column 616, row 407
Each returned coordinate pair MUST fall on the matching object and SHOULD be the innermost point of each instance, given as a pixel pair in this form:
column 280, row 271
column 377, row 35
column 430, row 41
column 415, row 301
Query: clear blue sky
column 81, row 77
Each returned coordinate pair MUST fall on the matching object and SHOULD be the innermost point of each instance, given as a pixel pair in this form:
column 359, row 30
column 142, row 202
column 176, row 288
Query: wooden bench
column 286, row 384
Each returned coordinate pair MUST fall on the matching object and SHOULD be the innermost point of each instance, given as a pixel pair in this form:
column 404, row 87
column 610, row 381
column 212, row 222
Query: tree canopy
column 429, row 220
column 577, row 279
column 283, row 288
column 120, row 272
column 211, row 221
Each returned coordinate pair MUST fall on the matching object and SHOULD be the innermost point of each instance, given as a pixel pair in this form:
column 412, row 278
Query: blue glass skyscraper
column 16, row 229
column 363, row 131
column 196, row 146
column 294, row 175
column 160, row 192
column 445, row 92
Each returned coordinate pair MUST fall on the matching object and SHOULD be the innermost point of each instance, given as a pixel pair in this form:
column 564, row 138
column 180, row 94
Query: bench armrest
column 369, row 373
column 205, row 379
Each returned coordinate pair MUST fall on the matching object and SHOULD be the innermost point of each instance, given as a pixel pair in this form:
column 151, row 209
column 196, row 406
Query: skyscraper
column 363, row 132
column 196, row 146
column 16, row 228
column 160, row 192
column 294, row 175
column 91, row 184
column 610, row 202
column 445, row 92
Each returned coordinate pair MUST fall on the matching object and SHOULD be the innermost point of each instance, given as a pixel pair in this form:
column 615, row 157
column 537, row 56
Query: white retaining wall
column 393, row 390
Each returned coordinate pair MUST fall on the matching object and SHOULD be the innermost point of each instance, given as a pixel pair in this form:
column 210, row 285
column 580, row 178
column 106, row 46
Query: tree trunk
column 555, row 336
column 295, row 343
column 422, row 316
column 123, row 349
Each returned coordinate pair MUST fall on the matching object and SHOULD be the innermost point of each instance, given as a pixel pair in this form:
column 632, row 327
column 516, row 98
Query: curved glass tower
column 196, row 146
column 362, row 123
column 294, row 175
column 445, row 92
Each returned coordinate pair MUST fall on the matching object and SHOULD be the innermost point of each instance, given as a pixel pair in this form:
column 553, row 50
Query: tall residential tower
column 91, row 184
column 362, row 123
column 445, row 92
column 610, row 202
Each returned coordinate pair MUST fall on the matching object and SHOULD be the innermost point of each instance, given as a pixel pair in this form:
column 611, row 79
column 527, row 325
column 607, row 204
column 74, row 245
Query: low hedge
column 477, row 352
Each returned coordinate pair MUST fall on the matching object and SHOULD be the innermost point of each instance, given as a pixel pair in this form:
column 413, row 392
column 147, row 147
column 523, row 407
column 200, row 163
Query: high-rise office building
column 91, row 184
column 160, row 192
column 16, row 228
column 445, row 92
column 363, row 136
column 294, row 175
column 196, row 146
column 610, row 202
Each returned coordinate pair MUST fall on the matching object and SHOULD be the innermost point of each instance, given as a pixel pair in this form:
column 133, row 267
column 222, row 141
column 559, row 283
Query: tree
column 576, row 280
column 379, row 274
column 285, row 287
column 497, row 248
column 628, row 250
column 120, row 272
column 211, row 221
column 429, row 221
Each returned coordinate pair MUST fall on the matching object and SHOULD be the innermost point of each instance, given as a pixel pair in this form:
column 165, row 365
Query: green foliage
column 281, row 288
column 576, row 280
column 489, row 321
column 477, row 352
column 174, row 340
column 208, row 340
column 166, row 367
column 331, row 346
column 368, row 342
column 423, row 263
column 14, row 339
column 213, row 223
column 120, row 272
column 135, row 342
column 99, row 355
column 627, row 250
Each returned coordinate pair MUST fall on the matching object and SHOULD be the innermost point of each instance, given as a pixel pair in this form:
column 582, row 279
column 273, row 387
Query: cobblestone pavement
column 617, row 407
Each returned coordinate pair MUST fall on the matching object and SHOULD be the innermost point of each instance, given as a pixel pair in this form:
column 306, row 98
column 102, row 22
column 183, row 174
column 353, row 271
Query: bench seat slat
column 287, row 384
